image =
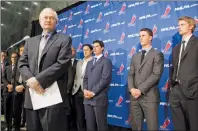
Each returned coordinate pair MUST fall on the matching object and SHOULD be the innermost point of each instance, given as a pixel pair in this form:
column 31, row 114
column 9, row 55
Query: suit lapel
column 97, row 62
column 146, row 57
column 189, row 45
column 37, row 43
column 51, row 40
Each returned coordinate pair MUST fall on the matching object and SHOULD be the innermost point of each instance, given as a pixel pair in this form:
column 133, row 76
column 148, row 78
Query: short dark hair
column 15, row 53
column 149, row 31
column 101, row 43
column 90, row 46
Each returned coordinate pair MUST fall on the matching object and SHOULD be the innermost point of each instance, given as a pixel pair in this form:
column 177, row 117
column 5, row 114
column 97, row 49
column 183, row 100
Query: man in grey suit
column 44, row 61
column 145, row 71
column 184, row 78
column 95, row 83
column 77, row 90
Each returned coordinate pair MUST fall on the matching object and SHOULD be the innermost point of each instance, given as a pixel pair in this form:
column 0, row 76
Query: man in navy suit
column 95, row 83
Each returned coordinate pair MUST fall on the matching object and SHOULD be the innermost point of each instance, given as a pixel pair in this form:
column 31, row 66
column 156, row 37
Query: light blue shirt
column 147, row 50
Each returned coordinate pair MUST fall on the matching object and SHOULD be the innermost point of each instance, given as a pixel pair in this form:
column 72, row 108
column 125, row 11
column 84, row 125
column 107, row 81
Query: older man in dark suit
column 95, row 83
column 44, row 61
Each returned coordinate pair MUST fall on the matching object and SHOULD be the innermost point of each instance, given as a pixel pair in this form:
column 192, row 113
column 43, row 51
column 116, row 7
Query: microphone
column 17, row 43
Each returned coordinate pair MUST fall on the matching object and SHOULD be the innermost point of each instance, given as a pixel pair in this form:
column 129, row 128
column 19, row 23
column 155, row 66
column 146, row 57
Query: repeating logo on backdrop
column 166, row 12
column 128, row 121
column 132, row 52
column 121, row 41
column 167, row 47
column 165, row 88
column 106, row 3
column 123, row 8
column 65, row 29
column 99, row 17
column 133, row 19
column 121, row 69
column 165, row 124
column 86, row 34
column 106, row 54
column 119, row 102
column 107, row 27
column 196, row 20
column 70, row 15
column 154, row 31
column 151, row 2
column 80, row 23
column 87, row 9
column 79, row 47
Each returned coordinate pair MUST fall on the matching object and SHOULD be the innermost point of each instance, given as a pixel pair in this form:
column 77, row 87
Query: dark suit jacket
column 8, row 78
column 145, row 76
column 97, row 79
column 53, row 64
column 188, row 72
column 2, row 71
column 71, row 75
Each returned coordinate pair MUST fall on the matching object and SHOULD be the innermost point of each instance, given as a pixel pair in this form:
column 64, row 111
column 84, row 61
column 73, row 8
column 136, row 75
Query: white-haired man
column 43, row 62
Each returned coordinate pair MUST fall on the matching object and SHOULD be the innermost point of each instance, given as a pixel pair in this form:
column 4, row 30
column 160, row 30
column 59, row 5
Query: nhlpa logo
column 152, row 2
column 106, row 3
column 87, row 9
column 121, row 41
column 80, row 24
column 167, row 47
column 86, row 34
column 70, row 15
column 65, row 29
column 154, row 31
column 133, row 19
column 120, row 71
column 128, row 121
column 119, row 102
column 79, row 47
column 99, row 17
column 106, row 27
column 166, row 12
column 132, row 52
column 165, row 124
column 106, row 54
column 165, row 88
column 122, row 10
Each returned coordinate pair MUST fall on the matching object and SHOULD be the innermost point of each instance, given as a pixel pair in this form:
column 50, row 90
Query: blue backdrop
column 117, row 24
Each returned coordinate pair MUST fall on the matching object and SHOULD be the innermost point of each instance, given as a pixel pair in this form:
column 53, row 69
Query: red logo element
column 129, row 120
column 151, row 2
column 106, row 3
column 122, row 10
column 167, row 11
column 79, row 47
column 87, row 33
column 65, row 29
column 122, row 37
column 133, row 19
column 87, row 9
column 154, row 30
column 166, row 123
column 121, row 69
column 167, row 46
column 107, row 26
column 99, row 17
column 165, row 88
column 80, row 24
column 106, row 54
column 70, row 15
column 120, row 100
column 133, row 49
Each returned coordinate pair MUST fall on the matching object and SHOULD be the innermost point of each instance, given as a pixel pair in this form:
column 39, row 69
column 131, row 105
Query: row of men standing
column 12, row 103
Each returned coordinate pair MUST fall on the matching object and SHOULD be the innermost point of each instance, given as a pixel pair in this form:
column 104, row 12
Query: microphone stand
column 13, row 82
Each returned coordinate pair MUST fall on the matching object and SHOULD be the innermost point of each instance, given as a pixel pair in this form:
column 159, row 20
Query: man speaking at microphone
column 43, row 62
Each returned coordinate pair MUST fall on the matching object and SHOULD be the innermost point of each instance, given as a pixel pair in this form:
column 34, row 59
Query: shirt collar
column 98, row 57
column 49, row 34
column 90, row 58
column 187, row 38
column 147, row 49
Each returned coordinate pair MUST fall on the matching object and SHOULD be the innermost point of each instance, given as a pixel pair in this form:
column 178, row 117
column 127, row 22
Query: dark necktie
column 95, row 60
column 142, row 56
column 184, row 47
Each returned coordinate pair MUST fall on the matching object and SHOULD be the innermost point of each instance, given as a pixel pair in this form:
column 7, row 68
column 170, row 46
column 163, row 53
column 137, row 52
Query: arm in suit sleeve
column 4, row 77
column 155, row 76
column 70, row 78
column 85, row 79
column 131, row 75
column 105, row 79
column 24, row 65
column 55, row 71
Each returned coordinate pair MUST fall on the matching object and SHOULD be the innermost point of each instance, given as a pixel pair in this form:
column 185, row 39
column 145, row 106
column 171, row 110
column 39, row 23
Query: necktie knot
column 45, row 36
column 143, row 52
column 183, row 42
